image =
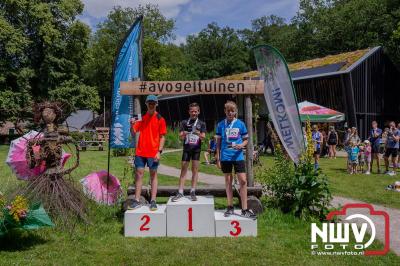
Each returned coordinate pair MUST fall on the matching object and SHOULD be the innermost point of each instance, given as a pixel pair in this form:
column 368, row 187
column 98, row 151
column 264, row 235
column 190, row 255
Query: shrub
column 172, row 140
column 300, row 189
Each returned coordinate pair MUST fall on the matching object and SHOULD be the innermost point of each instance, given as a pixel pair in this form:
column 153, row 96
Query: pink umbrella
column 16, row 158
column 95, row 186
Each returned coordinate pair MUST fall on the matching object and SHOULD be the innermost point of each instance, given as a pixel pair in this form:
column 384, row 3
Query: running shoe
column 367, row 173
column 229, row 211
column 248, row 214
column 177, row 197
column 134, row 205
column 193, row 196
column 153, row 206
column 392, row 173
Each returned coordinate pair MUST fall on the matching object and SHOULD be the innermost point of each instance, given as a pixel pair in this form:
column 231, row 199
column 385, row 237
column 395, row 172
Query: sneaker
column 177, row 197
column 387, row 173
column 134, row 205
column 229, row 211
column 248, row 214
column 153, row 206
column 193, row 196
column 392, row 173
column 367, row 173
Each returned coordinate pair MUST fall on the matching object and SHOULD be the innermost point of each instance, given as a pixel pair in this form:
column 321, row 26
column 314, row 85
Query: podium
column 187, row 218
column 234, row 225
column 145, row 223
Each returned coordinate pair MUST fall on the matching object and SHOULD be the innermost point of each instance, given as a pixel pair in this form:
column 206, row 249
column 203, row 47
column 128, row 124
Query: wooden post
column 248, row 113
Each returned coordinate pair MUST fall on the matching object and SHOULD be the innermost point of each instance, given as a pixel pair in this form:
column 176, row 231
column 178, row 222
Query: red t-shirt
column 151, row 128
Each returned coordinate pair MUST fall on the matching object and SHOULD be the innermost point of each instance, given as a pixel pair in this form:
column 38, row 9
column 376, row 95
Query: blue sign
column 127, row 68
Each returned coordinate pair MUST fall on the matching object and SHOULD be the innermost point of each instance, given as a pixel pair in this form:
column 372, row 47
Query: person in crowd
column 211, row 150
column 361, row 158
column 152, row 129
column 324, row 144
column 368, row 156
column 392, row 147
column 268, row 142
column 333, row 140
column 192, row 131
column 375, row 140
column 353, row 155
column 232, row 137
column 317, row 140
column 383, row 141
column 346, row 144
column 354, row 136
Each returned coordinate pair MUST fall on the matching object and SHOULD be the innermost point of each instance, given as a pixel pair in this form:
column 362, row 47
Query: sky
column 191, row 16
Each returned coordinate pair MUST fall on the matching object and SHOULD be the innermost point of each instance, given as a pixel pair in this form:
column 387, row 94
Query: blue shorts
column 140, row 162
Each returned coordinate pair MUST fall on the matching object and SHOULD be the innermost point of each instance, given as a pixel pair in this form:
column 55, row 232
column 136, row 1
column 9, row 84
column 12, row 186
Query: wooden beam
column 248, row 115
column 192, row 87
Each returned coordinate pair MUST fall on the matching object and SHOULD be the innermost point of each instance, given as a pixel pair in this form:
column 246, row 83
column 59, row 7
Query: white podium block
column 234, row 225
column 144, row 223
column 187, row 218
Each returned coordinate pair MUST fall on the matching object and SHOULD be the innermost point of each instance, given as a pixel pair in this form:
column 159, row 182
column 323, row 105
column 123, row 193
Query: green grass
column 368, row 188
column 282, row 239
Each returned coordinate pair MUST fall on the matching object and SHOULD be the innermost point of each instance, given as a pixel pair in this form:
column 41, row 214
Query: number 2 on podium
column 190, row 222
column 146, row 219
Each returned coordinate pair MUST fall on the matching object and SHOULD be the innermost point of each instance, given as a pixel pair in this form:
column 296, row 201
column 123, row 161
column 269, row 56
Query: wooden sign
column 192, row 87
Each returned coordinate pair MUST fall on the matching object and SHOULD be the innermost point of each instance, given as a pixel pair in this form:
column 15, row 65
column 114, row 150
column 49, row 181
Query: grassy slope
column 282, row 239
column 368, row 188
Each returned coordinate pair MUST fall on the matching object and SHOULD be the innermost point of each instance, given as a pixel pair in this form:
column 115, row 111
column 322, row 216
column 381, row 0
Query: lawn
column 282, row 239
column 368, row 188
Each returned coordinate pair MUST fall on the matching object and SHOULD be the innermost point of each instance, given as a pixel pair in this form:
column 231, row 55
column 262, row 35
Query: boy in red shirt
column 152, row 129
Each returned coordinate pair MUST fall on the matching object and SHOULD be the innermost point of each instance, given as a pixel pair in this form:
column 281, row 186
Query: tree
column 217, row 52
column 110, row 33
column 42, row 46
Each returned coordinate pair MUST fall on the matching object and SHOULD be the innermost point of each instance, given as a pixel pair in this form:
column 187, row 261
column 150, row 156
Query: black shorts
column 376, row 149
column 391, row 151
column 239, row 166
column 332, row 142
column 190, row 155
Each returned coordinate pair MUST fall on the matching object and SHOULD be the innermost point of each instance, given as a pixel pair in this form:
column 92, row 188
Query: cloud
column 100, row 9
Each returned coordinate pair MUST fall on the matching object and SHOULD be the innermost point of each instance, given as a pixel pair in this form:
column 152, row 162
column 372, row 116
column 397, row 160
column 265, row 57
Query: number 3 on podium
column 236, row 226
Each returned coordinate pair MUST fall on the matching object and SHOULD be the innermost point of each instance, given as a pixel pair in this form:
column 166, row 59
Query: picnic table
column 94, row 144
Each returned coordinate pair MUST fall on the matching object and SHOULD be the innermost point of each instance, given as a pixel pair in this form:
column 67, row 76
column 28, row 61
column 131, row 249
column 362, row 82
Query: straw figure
column 54, row 187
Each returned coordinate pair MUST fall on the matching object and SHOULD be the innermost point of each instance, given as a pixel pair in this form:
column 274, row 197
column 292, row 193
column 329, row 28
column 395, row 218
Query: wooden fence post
column 248, row 113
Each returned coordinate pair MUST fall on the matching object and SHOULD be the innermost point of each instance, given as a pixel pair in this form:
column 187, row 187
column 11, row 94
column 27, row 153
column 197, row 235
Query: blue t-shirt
column 353, row 153
column 391, row 143
column 231, row 133
column 316, row 136
column 375, row 140
column 213, row 145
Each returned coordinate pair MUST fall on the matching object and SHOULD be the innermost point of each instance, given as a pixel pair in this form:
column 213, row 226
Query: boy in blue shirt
column 231, row 139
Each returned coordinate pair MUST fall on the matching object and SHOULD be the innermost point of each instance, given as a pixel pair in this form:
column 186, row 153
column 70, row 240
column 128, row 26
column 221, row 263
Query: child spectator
column 353, row 155
column 368, row 156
